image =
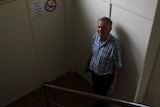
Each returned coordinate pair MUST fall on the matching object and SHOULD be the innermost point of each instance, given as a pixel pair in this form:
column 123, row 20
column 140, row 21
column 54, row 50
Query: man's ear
column 110, row 28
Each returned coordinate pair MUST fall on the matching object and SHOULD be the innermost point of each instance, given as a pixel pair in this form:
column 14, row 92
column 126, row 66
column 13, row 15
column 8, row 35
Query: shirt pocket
column 107, row 54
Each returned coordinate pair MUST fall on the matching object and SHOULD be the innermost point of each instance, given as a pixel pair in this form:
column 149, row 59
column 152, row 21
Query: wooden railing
column 98, row 97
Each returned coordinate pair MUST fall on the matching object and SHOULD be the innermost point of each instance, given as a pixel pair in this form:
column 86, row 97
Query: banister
column 95, row 96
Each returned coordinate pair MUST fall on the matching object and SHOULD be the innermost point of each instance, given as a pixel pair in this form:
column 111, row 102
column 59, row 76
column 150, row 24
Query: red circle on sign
column 50, row 5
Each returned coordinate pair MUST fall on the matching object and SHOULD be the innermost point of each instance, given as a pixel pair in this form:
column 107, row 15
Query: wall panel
column 134, row 32
column 18, row 58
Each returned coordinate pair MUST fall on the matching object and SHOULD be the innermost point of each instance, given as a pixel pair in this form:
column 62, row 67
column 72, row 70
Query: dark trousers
column 101, row 85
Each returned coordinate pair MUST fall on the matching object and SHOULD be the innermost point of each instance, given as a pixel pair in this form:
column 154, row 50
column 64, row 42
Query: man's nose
column 100, row 28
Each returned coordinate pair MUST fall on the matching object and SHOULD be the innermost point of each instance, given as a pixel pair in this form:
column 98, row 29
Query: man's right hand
column 87, row 68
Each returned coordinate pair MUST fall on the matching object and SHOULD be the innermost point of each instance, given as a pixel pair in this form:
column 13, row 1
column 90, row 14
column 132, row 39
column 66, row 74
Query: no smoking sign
column 50, row 5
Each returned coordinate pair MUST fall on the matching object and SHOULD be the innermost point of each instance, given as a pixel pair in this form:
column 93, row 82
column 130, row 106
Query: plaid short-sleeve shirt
column 105, row 56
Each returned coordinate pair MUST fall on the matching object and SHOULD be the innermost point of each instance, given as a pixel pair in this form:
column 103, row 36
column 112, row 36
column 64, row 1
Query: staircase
column 69, row 90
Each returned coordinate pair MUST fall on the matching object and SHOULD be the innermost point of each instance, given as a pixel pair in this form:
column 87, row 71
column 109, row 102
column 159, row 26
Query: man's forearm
column 116, row 76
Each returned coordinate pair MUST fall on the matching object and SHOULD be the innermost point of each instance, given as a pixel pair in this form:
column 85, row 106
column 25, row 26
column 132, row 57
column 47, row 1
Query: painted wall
column 148, row 88
column 83, row 24
column 132, row 24
column 152, row 95
column 134, row 32
column 133, row 27
column 142, row 7
column 36, row 49
column 33, row 49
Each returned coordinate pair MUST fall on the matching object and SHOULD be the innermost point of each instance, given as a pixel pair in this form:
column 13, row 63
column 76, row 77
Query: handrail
column 99, row 97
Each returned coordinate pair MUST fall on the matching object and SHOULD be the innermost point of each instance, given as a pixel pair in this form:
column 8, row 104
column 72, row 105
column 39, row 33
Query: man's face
column 103, row 30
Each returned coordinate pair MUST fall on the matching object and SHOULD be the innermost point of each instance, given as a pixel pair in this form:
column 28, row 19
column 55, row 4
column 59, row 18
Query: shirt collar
column 108, row 39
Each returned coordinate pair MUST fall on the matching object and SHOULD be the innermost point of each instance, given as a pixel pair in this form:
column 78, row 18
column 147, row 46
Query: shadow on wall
column 82, row 31
column 129, row 75
column 85, row 15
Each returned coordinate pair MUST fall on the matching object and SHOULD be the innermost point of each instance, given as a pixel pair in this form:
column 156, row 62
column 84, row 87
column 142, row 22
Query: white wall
column 85, row 14
column 144, row 8
column 148, row 88
column 18, row 56
column 36, row 49
column 132, row 23
column 152, row 94
column 33, row 49
column 133, row 27
column 51, row 40
column 134, row 32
